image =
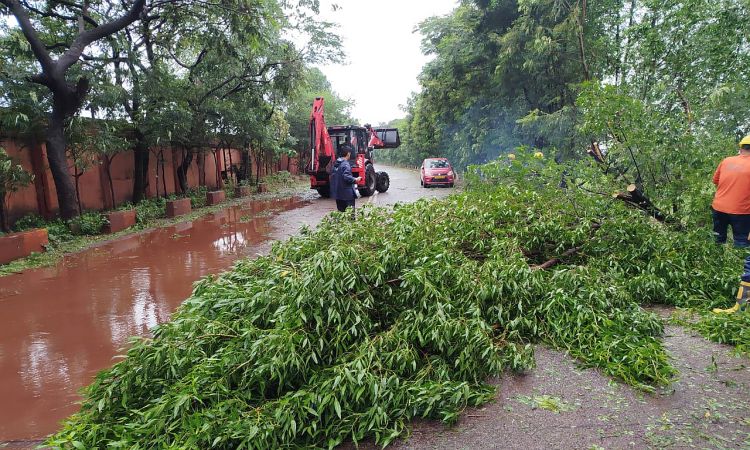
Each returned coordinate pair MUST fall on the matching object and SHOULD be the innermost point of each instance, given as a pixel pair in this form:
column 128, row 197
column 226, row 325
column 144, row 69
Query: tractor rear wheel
column 383, row 182
column 370, row 179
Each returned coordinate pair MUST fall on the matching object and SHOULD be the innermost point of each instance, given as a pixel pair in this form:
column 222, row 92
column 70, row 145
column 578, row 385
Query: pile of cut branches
column 349, row 331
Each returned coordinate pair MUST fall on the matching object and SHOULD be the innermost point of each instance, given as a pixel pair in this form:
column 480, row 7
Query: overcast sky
column 383, row 52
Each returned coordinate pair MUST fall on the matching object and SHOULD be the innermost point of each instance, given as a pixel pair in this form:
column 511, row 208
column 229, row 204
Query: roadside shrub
column 58, row 232
column 197, row 197
column 150, row 209
column 229, row 189
column 281, row 178
column 29, row 222
column 125, row 207
column 88, row 223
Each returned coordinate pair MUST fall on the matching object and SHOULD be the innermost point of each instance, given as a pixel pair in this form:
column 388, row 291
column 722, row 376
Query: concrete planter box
column 242, row 191
column 120, row 220
column 178, row 207
column 20, row 245
column 262, row 187
column 215, row 197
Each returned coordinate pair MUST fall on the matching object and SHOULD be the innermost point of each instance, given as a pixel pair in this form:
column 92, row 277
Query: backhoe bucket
column 389, row 136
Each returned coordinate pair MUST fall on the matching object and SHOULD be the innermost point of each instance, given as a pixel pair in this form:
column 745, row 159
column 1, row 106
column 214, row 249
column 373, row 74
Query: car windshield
column 438, row 164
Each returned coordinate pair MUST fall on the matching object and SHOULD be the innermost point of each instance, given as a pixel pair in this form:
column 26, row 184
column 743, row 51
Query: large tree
column 58, row 33
column 506, row 73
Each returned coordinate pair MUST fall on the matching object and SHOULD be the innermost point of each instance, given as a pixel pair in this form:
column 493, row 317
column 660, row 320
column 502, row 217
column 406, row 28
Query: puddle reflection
column 61, row 325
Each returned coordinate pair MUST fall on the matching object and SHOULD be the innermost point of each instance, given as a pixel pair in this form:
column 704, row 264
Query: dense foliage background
column 191, row 75
column 659, row 85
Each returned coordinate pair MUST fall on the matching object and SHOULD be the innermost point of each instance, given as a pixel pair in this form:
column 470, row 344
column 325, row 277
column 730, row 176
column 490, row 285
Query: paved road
column 404, row 188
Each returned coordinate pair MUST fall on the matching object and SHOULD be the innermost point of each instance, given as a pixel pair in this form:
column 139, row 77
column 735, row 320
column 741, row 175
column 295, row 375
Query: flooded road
column 59, row 326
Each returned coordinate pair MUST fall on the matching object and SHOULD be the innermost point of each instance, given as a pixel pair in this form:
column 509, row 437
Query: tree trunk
column 581, row 18
column 182, row 170
column 230, row 172
column 140, row 167
column 77, row 178
column 58, row 164
column 219, row 181
column 156, row 178
column 4, row 225
column 258, row 164
column 636, row 198
column 201, row 161
column 629, row 39
column 246, row 166
column 163, row 173
column 109, row 177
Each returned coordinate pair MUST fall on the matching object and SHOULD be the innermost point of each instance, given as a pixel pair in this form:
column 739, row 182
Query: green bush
column 197, row 197
column 88, row 223
column 150, row 209
column 58, row 230
column 229, row 189
column 29, row 222
column 281, row 178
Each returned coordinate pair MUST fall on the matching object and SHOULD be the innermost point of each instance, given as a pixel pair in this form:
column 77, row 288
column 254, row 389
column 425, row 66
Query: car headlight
column 450, row 173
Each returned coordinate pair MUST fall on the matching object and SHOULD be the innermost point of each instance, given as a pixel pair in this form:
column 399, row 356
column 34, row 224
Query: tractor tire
column 383, row 182
column 324, row 191
column 370, row 180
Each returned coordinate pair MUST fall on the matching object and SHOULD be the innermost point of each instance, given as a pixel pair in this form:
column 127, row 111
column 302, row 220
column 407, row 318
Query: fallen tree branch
column 633, row 197
column 569, row 252
column 555, row 261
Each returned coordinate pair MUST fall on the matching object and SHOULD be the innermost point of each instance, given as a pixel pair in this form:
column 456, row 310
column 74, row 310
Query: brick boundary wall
column 40, row 197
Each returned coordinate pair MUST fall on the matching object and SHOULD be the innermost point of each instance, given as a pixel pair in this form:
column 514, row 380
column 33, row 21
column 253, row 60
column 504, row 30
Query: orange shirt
column 732, row 180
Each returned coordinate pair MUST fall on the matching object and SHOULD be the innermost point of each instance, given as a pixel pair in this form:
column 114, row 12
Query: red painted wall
column 40, row 197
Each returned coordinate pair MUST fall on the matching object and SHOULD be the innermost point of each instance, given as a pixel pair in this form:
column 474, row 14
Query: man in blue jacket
column 342, row 180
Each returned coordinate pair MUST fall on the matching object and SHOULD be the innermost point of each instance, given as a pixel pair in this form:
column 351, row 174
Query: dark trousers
column 740, row 224
column 341, row 205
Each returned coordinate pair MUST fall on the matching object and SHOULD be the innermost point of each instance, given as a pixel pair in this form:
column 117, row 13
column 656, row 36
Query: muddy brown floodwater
column 59, row 326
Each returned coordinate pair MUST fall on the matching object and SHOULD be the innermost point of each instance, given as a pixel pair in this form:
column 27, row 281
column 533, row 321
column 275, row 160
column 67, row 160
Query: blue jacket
column 342, row 180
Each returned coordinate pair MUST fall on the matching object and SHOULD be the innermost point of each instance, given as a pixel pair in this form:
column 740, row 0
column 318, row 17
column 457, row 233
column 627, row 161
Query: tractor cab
column 352, row 135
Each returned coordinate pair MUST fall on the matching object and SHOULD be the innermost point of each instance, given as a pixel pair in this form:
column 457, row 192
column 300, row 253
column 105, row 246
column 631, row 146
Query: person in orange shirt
column 731, row 206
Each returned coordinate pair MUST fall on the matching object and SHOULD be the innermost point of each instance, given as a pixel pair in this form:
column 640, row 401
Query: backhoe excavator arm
column 321, row 152
column 375, row 141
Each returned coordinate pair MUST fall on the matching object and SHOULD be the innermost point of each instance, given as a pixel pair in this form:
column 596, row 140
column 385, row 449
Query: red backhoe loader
column 324, row 145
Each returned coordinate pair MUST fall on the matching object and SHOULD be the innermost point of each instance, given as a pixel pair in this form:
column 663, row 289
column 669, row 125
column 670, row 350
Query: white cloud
column 383, row 52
